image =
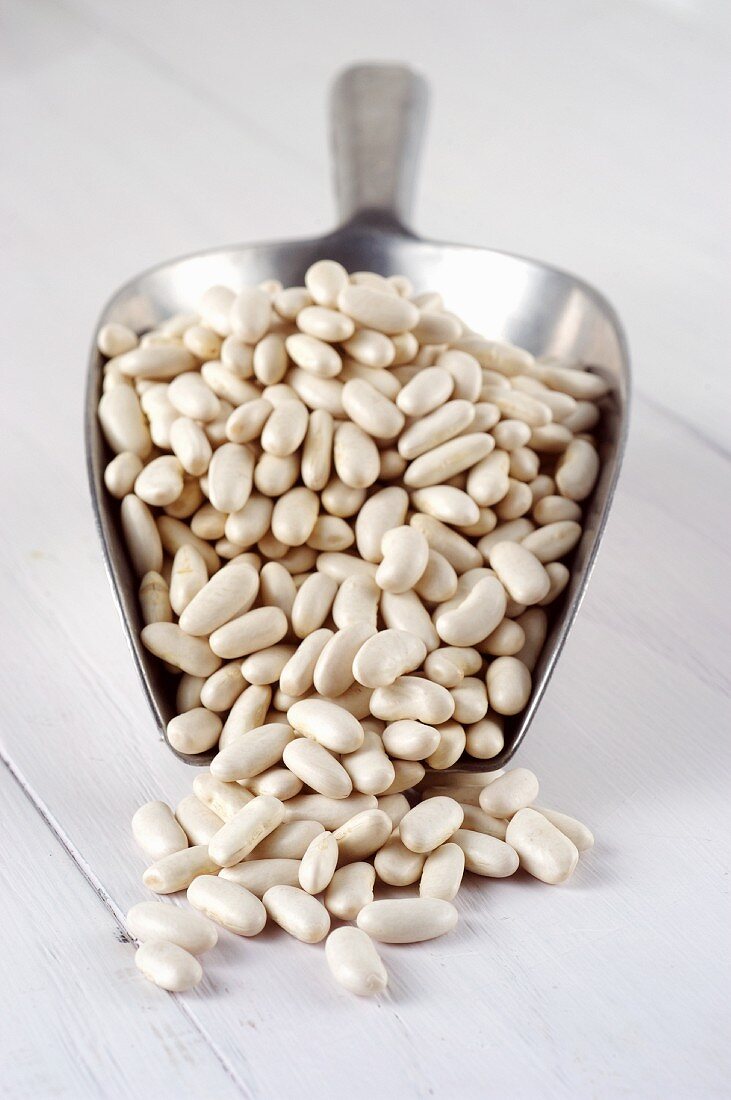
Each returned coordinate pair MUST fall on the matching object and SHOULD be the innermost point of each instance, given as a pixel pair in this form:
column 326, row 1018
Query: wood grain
column 613, row 986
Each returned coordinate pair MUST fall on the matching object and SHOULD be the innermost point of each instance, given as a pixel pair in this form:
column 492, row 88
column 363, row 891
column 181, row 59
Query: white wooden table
column 585, row 132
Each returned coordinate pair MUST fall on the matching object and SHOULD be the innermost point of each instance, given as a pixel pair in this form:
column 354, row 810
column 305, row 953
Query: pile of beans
column 347, row 512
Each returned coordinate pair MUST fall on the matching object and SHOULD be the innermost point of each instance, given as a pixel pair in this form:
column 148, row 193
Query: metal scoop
column 378, row 114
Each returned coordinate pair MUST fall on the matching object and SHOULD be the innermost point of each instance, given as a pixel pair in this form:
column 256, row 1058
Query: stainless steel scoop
column 378, row 116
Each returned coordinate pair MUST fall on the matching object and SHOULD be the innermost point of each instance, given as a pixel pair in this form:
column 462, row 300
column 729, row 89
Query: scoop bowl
column 378, row 113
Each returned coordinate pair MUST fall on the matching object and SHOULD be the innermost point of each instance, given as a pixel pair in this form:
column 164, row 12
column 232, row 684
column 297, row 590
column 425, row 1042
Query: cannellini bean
column 375, row 309
column 577, row 833
column 245, row 830
column 441, row 463
column 371, row 348
column 190, row 395
column 154, row 597
column 544, row 851
column 520, row 572
column 452, row 740
column 288, row 841
column 224, row 799
column 141, row 536
column 277, row 781
column 408, row 773
column 248, row 712
column 405, row 556
column 334, row 669
column 121, row 473
column 477, row 821
column 176, row 871
column 294, row 516
column 534, row 625
column 285, row 429
column 325, row 394
column 405, row 611
column 257, row 875
column 330, row 725
column 396, row 865
column 578, row 384
column 395, row 805
column 457, row 551
column 188, row 693
column 354, row 962
column 412, row 697
column 313, row 355
column 362, row 835
column 476, row 616
column 369, row 768
column 407, row 920
column 355, row 456
column 485, row 854
column 317, row 768
column 508, row 685
column 382, row 512
column 410, row 740
column 324, row 281
column 195, row 731
column 442, row 873
column 371, row 410
column 340, row 499
column 512, row 531
column 154, row 920
column 298, row 913
column 330, row 533
column 230, row 477
column 450, row 665
column 330, row 813
column 465, row 370
column 168, row 966
column 440, row 426
column 506, row 640
column 171, row 644
column 157, row 832
column 123, row 422
column 250, row 523
column 250, row 314
column 265, row 667
column 115, row 339
column 250, row 632
column 229, row 593
column 270, row 359
column 296, row 677
column 430, row 824
column 447, row 504
column 350, row 889
column 197, row 821
column 516, row 502
column 509, row 793
column 325, row 324
column 356, row 601
column 384, row 382
column 470, row 700
column 318, row 863
column 312, row 603
column 252, row 752
column 428, row 391
column 385, row 656
column 438, row 582
column 228, row 904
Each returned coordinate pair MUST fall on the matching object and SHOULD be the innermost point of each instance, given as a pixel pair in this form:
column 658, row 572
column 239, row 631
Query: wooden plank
column 79, row 1020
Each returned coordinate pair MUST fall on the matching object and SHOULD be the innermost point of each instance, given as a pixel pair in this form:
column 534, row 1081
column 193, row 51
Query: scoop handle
column 377, row 119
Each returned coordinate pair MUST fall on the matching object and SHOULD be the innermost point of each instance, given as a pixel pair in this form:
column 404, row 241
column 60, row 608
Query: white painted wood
column 77, row 1019
column 132, row 135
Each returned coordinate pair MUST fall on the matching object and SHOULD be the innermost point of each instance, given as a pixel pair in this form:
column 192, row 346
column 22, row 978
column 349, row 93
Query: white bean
column 544, row 851
column 168, row 966
column 407, row 920
column 228, row 904
column 354, row 962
